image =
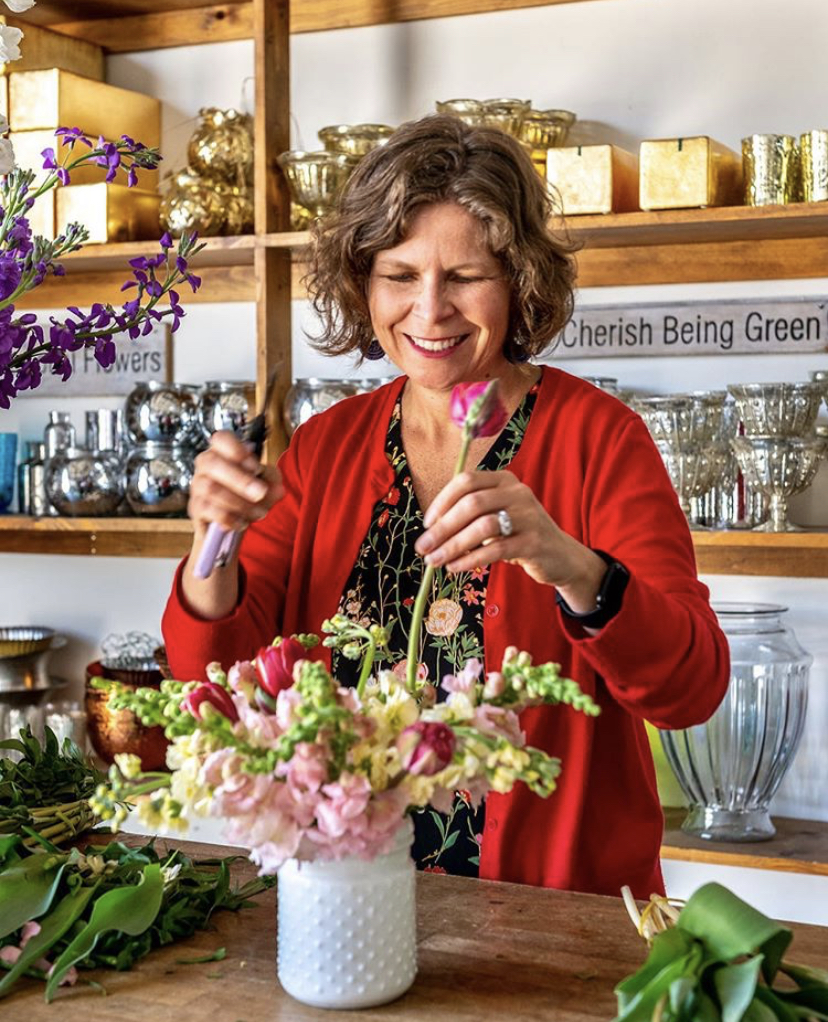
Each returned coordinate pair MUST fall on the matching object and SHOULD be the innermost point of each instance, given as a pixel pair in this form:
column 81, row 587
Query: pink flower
column 426, row 747
column 477, row 408
column 495, row 685
column 242, row 678
column 500, row 723
column 344, row 805
column 275, row 664
column 465, row 680
column 209, row 693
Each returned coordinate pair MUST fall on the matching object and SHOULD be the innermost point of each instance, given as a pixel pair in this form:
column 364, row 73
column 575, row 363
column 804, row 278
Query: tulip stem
column 367, row 664
column 425, row 586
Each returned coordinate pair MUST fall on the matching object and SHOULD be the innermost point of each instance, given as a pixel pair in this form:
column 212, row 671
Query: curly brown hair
column 440, row 159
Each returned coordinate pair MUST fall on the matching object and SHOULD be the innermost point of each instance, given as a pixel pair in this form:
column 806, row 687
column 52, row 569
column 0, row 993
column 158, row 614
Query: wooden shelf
column 154, row 24
column 680, row 246
column 796, row 554
column 799, row 846
column 104, row 537
column 97, row 272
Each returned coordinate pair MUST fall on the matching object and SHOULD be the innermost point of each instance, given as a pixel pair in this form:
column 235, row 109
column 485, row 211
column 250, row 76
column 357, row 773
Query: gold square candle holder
column 46, row 49
column 110, row 212
column 688, row 173
column 55, row 98
column 593, row 178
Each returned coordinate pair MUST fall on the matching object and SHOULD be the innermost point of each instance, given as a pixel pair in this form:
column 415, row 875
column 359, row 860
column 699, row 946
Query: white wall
column 631, row 69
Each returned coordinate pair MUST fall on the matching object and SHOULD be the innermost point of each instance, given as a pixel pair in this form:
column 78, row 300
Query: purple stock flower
column 20, row 236
column 10, row 274
column 177, row 311
column 110, row 158
column 50, row 163
column 132, row 177
column 166, row 241
column 71, row 136
column 105, row 351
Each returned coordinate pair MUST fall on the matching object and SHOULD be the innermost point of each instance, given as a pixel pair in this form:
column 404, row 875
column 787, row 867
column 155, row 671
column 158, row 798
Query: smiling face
column 439, row 301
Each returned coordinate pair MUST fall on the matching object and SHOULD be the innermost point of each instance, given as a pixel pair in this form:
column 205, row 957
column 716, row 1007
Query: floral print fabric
column 382, row 588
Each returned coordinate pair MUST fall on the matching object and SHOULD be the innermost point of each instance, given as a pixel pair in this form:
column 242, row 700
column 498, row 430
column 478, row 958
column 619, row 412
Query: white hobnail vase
column 347, row 929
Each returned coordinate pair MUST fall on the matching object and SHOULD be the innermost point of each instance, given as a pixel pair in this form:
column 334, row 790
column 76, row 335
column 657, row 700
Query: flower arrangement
column 27, row 347
column 301, row 767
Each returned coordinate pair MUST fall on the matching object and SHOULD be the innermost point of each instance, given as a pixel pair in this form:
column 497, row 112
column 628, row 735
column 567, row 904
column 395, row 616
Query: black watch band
column 609, row 599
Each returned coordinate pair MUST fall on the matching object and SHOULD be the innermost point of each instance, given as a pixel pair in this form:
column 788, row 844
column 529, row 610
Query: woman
column 569, row 542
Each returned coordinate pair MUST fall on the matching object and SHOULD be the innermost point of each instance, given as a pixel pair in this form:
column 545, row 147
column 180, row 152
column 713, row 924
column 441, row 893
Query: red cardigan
column 590, row 461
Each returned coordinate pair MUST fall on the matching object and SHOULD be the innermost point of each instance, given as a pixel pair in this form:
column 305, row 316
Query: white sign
column 696, row 328
column 145, row 358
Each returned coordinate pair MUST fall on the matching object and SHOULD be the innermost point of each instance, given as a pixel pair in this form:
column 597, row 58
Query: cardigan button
column 492, row 610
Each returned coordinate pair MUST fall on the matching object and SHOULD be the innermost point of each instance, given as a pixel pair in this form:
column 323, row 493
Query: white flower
column 9, row 43
column 7, row 163
column 18, row 6
column 129, row 764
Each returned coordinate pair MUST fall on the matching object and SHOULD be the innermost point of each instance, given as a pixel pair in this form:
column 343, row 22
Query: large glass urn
column 222, row 146
column 731, row 767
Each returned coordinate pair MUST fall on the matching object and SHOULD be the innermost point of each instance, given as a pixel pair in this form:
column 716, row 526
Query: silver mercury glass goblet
column 780, row 467
column 693, row 470
column 777, row 409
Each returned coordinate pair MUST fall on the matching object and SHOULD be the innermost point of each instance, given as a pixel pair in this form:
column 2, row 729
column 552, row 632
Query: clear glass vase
column 347, row 928
column 731, row 767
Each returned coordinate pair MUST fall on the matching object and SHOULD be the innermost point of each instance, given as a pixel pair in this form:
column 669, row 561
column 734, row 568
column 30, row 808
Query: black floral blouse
column 383, row 586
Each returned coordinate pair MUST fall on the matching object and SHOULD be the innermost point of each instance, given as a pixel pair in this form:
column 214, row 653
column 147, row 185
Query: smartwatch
column 609, row 599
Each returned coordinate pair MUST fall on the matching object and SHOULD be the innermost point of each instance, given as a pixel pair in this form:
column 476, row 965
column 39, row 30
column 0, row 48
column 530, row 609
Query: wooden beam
column 273, row 266
column 161, row 27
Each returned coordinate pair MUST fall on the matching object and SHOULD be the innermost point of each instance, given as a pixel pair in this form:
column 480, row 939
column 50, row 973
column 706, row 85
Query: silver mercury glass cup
column 780, row 467
column 690, row 433
column 778, row 409
column 316, row 178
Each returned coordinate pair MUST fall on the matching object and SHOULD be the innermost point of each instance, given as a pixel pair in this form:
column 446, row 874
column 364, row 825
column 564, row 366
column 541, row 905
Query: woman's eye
column 399, row 278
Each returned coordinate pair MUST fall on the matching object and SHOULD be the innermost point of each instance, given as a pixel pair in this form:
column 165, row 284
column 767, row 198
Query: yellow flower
column 129, row 764
column 443, row 617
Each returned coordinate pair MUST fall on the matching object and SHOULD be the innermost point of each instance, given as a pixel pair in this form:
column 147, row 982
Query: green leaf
column 730, row 928
column 665, row 948
column 52, row 928
column 769, row 999
column 126, row 909
column 804, row 975
column 27, row 889
column 451, row 840
column 758, row 1011
column 682, row 994
column 217, row 956
column 641, row 1007
column 736, row 987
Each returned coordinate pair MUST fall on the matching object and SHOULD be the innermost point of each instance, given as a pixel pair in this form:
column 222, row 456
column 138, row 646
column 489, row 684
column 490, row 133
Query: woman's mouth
column 436, row 345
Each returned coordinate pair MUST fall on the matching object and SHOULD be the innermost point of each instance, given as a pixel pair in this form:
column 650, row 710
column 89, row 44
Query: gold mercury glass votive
column 813, row 149
column 316, row 178
column 545, row 129
column 772, row 169
column 470, row 111
column 354, row 139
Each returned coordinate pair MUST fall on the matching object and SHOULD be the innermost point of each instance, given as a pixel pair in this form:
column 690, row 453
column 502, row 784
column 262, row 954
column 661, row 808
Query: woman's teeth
column 442, row 345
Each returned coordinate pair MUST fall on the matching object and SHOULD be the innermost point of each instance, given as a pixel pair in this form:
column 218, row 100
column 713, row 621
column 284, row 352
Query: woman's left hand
column 463, row 531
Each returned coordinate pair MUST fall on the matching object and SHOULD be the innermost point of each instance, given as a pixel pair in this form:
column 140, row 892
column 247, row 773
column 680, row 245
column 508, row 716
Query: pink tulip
column 275, row 665
column 426, row 747
column 209, row 693
column 477, row 408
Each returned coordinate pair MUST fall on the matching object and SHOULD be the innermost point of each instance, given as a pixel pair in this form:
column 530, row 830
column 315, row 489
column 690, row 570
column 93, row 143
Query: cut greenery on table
column 717, row 960
column 105, row 908
column 45, row 794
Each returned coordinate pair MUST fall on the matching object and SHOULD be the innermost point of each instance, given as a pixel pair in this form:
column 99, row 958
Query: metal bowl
column 27, row 671
column 227, row 405
column 778, row 409
column 84, row 483
column 354, row 139
column 316, row 178
column 158, row 480
column 36, row 696
column 163, row 412
column 311, row 396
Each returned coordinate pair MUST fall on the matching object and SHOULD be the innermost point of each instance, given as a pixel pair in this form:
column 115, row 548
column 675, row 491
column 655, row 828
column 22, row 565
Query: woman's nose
column 433, row 302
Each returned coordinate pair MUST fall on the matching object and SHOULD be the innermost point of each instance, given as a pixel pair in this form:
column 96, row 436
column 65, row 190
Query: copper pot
column 114, row 731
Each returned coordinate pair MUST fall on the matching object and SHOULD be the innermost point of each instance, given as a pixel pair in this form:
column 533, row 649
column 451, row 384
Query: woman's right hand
column 230, row 486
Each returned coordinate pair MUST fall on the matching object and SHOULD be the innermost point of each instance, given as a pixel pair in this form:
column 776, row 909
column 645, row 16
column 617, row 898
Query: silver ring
column 504, row 523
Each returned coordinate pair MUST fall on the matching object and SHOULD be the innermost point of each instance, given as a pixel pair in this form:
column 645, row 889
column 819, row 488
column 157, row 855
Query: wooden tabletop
column 486, row 951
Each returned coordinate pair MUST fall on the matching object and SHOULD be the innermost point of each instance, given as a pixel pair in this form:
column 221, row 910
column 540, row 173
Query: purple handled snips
column 220, row 544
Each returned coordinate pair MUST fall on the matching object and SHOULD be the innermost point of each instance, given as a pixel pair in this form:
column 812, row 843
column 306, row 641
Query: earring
column 374, row 352
column 517, row 353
